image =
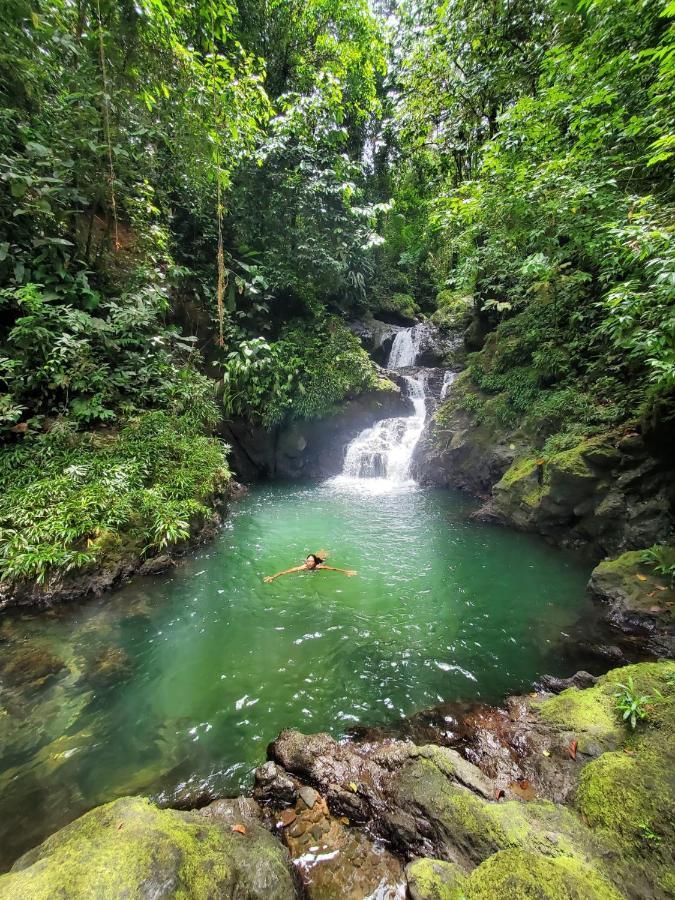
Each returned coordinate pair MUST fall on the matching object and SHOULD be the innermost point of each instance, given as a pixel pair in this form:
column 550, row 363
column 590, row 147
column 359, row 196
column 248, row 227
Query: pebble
column 308, row 796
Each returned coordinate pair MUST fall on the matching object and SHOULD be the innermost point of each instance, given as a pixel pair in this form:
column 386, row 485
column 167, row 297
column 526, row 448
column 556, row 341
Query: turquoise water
column 175, row 685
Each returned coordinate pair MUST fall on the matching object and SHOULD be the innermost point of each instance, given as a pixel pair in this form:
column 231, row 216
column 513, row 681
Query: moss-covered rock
column 591, row 717
column 467, row 828
column 435, row 879
column 537, row 493
column 454, row 310
column 131, row 849
column 633, row 589
column 526, row 876
column 632, row 795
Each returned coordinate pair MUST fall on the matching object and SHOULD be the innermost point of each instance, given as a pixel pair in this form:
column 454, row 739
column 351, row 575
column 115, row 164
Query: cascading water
column 384, row 451
column 448, row 379
column 405, row 348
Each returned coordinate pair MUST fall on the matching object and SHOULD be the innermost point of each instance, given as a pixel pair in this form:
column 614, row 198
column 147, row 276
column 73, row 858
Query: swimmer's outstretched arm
column 348, row 572
column 268, row 578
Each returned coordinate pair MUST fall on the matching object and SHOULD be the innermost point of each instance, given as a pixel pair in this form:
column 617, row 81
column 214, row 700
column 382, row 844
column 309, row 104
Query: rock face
column 376, row 337
column 310, row 449
column 129, row 848
column 605, row 495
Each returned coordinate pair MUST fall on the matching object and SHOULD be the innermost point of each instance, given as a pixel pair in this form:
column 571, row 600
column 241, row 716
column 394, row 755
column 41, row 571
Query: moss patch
column 632, row 796
column 129, row 848
column 515, row 873
column 434, row 879
column 629, row 582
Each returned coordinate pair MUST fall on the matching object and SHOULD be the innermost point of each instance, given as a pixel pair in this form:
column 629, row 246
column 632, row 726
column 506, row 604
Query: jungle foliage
column 534, row 146
column 194, row 195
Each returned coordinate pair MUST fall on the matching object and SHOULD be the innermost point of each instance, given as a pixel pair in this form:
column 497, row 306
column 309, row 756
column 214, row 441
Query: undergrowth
column 70, row 499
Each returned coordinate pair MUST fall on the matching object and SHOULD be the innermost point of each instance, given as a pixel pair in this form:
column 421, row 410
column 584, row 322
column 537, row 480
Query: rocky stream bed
column 551, row 796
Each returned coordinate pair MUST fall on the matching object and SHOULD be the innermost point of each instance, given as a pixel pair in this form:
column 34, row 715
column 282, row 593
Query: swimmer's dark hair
column 317, row 559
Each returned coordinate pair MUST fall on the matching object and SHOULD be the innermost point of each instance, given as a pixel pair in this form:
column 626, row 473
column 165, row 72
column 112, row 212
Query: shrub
column 453, row 310
column 67, row 500
column 311, row 367
column 401, row 306
column 662, row 560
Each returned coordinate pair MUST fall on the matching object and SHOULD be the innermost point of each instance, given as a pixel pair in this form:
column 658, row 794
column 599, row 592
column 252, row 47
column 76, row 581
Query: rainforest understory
column 218, row 220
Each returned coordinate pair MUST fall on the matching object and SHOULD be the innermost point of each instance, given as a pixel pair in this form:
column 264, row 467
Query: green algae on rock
column 633, row 590
column 129, row 848
column 528, row 876
column 435, row 879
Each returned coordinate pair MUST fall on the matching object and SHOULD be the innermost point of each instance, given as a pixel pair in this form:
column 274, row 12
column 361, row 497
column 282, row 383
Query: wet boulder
column 334, row 859
column 273, row 786
column 557, row 685
column 130, row 848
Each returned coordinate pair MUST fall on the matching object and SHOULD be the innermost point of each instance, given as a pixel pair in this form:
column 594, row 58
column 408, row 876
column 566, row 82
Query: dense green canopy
column 198, row 194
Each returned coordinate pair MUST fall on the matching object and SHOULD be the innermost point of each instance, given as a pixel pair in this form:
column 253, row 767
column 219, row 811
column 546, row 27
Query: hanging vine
column 106, row 125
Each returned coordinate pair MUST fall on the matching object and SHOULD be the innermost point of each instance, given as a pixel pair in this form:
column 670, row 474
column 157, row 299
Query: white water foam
column 379, row 458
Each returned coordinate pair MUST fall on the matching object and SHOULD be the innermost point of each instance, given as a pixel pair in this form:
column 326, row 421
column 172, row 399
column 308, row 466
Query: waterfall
column 383, row 452
column 385, row 449
column 405, row 348
column 448, row 378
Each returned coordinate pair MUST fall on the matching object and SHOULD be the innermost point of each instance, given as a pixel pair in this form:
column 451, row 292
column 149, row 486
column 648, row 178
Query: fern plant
column 631, row 703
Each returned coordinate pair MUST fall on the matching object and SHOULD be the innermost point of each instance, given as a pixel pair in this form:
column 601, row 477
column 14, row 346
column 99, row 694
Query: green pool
column 175, row 685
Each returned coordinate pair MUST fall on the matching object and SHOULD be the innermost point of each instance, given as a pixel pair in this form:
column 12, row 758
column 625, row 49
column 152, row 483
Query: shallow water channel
column 176, row 684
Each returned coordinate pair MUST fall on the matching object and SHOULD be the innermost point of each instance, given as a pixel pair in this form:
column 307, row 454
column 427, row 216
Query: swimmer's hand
column 268, row 579
column 350, row 572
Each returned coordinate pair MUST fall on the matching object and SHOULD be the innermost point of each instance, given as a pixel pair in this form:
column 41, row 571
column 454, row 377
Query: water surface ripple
column 176, row 684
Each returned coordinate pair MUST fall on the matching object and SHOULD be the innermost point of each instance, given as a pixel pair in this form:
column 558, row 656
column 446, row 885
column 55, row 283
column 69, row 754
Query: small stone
column 287, row 817
column 552, row 838
column 308, row 795
column 317, row 832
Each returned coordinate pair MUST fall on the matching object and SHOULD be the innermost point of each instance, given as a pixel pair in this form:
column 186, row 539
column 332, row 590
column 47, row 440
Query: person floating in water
column 313, row 562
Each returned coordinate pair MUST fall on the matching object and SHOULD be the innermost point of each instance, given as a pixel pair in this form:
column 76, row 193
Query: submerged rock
column 110, row 664
column 31, row 664
column 129, row 848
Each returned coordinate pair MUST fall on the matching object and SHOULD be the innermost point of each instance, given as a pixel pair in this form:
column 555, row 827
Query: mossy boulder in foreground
column 129, row 848
column 517, row 874
column 435, row 879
